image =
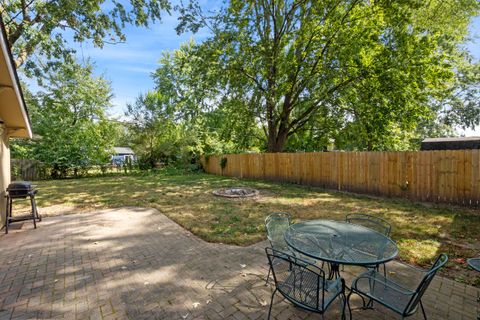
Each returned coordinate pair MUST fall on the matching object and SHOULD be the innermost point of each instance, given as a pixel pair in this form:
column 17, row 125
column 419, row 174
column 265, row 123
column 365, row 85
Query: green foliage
column 179, row 121
column 363, row 73
column 21, row 149
column 459, row 104
column 40, row 25
column 68, row 118
column 156, row 137
column 195, row 99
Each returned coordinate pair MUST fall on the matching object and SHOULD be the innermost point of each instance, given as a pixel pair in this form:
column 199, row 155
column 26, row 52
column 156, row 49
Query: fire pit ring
column 236, row 192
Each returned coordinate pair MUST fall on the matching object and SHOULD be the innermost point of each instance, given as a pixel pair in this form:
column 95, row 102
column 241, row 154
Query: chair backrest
column 378, row 224
column 297, row 280
column 276, row 224
column 427, row 279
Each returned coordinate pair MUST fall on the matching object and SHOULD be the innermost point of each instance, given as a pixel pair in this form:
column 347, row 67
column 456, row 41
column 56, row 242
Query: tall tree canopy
column 39, row 25
column 69, row 121
column 365, row 68
column 193, row 96
column 175, row 124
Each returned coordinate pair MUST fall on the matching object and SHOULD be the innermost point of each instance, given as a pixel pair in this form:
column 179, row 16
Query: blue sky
column 128, row 66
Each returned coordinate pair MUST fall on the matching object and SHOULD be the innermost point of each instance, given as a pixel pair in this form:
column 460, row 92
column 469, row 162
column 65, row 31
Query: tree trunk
column 276, row 141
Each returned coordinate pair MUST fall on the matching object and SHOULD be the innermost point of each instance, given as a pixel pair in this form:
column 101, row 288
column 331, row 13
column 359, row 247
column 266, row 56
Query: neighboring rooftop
column 451, row 143
column 123, row 150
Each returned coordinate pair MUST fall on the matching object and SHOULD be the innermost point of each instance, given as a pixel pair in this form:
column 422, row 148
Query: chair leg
column 271, row 303
column 423, row 310
column 369, row 304
column 334, row 271
column 268, row 275
column 344, row 301
column 348, row 303
column 366, row 305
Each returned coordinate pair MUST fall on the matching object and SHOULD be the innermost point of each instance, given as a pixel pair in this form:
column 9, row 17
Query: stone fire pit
column 236, row 192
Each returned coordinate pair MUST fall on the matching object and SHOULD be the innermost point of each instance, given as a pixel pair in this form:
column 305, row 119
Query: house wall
column 4, row 172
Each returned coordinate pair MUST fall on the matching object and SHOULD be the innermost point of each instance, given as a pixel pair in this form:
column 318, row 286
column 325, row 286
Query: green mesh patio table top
column 340, row 242
column 474, row 263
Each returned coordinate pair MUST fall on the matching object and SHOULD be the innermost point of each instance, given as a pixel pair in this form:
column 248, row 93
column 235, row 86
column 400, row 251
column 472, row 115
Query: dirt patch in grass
column 421, row 231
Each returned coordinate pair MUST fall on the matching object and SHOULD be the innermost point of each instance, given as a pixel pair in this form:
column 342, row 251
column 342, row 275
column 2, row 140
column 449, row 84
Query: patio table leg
column 334, row 272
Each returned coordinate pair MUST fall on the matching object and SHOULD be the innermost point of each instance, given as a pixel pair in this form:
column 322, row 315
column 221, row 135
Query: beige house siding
column 4, row 173
column 14, row 122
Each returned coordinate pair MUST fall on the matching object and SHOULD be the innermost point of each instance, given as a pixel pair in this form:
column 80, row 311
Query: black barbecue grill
column 21, row 190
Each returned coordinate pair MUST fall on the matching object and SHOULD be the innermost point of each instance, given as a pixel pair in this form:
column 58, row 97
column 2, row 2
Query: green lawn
column 421, row 231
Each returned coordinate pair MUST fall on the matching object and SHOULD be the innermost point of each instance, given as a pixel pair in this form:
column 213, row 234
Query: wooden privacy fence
column 436, row 176
column 26, row 169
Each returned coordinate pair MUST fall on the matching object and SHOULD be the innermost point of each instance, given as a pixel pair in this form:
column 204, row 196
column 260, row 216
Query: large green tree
column 159, row 134
column 69, row 121
column 371, row 67
column 39, row 25
column 186, row 115
column 194, row 97
column 151, row 129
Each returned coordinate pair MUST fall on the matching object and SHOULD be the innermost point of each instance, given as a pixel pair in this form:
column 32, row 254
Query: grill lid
column 20, row 185
column 20, row 189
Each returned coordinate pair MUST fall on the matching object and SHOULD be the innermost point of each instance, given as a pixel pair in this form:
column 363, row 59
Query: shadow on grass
column 421, row 231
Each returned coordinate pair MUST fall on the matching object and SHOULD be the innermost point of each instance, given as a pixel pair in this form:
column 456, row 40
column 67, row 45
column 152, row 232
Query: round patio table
column 474, row 263
column 340, row 243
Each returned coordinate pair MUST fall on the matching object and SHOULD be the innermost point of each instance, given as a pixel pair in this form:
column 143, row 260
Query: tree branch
column 259, row 85
column 304, row 117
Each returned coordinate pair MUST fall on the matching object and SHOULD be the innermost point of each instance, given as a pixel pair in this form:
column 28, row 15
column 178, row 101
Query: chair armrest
column 385, row 282
column 308, row 265
column 414, row 268
column 409, row 276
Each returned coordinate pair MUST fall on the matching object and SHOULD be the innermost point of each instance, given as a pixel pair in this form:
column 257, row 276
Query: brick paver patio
column 134, row 263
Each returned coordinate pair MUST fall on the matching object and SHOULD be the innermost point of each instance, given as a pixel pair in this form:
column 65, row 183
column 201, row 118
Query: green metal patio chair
column 474, row 263
column 393, row 295
column 276, row 224
column 378, row 224
column 303, row 284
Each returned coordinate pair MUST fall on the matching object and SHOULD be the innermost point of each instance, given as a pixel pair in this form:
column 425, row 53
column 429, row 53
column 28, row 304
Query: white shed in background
column 122, row 154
